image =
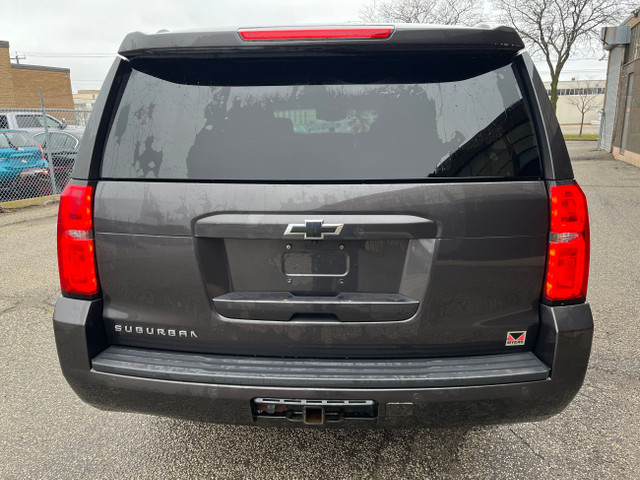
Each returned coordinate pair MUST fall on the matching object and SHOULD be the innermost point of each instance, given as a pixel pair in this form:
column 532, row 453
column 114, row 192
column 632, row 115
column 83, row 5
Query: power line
column 70, row 55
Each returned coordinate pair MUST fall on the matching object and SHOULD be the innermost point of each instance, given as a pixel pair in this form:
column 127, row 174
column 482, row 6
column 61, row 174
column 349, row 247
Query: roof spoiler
column 400, row 38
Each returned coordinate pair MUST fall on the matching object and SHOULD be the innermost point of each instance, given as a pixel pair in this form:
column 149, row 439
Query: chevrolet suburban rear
column 370, row 225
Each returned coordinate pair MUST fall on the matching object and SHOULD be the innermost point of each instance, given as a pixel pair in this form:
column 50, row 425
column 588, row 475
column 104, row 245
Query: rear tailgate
column 329, row 206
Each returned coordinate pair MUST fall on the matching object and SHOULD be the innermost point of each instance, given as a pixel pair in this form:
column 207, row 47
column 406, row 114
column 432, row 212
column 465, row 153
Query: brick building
column 19, row 84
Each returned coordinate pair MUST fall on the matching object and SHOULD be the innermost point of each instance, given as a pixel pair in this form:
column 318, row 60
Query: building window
column 632, row 52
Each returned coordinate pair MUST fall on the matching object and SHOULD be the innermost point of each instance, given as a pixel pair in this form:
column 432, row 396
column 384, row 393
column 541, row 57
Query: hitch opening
column 314, row 411
column 313, row 415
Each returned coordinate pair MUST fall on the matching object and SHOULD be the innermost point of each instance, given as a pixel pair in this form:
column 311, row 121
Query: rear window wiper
column 11, row 143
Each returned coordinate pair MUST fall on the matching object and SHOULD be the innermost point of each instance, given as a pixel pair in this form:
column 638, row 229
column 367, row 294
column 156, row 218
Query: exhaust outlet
column 313, row 415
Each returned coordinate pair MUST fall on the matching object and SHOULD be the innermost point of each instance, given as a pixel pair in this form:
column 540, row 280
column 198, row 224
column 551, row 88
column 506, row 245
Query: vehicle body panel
column 564, row 347
column 502, row 245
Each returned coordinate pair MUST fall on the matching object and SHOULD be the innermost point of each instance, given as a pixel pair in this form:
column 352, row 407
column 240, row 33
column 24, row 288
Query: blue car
column 24, row 172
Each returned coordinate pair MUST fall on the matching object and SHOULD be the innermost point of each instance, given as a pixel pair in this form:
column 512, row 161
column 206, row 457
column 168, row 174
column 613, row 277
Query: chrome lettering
column 140, row 330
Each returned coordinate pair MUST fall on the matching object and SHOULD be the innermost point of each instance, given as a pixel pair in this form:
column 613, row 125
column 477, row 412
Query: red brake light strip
column 314, row 33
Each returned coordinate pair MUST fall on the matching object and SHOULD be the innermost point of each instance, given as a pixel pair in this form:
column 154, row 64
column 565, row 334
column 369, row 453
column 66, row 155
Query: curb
column 28, row 202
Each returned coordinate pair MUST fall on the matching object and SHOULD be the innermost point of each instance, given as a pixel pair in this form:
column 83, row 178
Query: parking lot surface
column 46, row 432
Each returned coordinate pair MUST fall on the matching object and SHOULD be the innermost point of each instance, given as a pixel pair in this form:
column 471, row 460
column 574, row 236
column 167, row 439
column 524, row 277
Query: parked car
column 62, row 150
column 34, row 122
column 424, row 264
column 24, row 172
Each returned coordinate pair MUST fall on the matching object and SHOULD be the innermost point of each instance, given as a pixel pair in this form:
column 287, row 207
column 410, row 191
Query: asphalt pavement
column 47, row 432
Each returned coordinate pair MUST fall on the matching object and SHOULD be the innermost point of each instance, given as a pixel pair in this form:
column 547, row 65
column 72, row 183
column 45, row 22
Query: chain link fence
column 38, row 148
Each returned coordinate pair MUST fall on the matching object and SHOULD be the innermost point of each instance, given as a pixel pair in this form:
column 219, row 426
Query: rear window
column 28, row 121
column 476, row 127
column 16, row 140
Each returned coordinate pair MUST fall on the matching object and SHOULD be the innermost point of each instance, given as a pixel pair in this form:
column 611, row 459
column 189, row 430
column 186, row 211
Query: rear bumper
column 511, row 395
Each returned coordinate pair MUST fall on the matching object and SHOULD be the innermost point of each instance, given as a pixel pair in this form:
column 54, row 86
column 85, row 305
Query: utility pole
column 19, row 57
column 52, row 175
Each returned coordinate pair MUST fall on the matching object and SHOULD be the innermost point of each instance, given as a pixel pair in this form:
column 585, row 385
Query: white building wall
column 568, row 113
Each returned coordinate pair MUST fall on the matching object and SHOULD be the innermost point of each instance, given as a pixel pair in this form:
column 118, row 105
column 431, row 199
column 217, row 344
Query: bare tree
column 443, row 12
column 554, row 28
column 586, row 99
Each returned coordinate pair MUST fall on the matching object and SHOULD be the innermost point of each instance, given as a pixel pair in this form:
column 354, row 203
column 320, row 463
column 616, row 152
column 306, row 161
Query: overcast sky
column 56, row 32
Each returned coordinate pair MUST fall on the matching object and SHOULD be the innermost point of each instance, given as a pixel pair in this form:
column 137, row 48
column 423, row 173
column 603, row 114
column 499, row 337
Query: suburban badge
column 154, row 331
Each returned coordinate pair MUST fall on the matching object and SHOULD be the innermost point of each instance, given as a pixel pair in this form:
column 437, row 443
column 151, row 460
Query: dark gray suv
column 355, row 225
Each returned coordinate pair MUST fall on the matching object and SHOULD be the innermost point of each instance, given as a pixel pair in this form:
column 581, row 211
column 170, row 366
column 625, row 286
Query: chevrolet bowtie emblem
column 313, row 229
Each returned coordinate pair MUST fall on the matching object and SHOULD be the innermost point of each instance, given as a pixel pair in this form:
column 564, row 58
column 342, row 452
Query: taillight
column 41, row 151
column 76, row 251
column 568, row 254
column 314, row 33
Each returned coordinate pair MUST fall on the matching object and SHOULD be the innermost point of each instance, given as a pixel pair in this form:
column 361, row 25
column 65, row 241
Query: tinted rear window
column 476, row 127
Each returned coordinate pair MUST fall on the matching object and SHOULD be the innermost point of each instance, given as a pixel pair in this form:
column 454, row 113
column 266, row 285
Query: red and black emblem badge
column 516, row 338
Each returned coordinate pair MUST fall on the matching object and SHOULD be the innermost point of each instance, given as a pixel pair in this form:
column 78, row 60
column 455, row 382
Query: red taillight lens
column 76, row 251
column 41, row 151
column 568, row 255
column 314, row 33
column 568, row 209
